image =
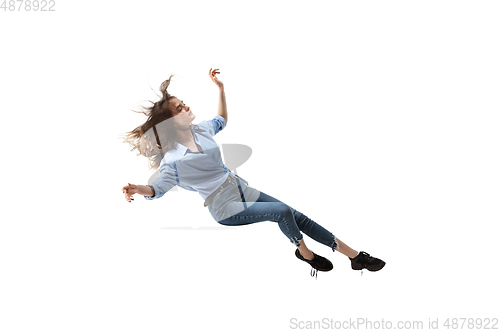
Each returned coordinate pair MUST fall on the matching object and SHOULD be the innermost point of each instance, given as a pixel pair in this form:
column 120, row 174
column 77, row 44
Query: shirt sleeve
column 218, row 123
column 163, row 181
column 214, row 125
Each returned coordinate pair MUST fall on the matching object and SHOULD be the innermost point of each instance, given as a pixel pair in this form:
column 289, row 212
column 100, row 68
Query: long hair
column 157, row 135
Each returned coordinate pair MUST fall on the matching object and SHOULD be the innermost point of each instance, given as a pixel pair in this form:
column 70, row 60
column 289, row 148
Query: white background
column 377, row 119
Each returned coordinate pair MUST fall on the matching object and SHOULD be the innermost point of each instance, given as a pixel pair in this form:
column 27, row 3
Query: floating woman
column 186, row 155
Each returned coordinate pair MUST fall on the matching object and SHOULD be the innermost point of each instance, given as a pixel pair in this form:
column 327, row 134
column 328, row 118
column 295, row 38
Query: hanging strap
column 158, row 141
column 241, row 193
column 157, row 137
column 314, row 272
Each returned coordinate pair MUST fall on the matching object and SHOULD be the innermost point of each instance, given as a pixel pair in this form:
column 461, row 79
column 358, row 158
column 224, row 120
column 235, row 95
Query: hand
column 214, row 78
column 129, row 190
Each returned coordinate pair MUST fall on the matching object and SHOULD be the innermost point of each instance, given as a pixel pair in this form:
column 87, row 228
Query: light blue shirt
column 194, row 171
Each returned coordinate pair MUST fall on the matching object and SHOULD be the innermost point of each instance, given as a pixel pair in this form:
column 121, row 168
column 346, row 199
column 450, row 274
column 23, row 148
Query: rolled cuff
column 334, row 245
column 154, row 193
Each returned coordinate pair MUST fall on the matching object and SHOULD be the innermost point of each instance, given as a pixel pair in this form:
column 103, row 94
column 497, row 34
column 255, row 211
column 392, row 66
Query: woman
column 187, row 155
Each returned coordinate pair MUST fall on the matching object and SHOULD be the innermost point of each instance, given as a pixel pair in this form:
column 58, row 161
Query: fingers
column 126, row 187
column 213, row 72
column 125, row 190
column 127, row 196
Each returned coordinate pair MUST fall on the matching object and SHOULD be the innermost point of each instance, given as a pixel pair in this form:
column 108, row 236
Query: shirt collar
column 181, row 149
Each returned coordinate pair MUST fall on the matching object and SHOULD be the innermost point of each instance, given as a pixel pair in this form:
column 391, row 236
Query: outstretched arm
column 222, row 111
column 131, row 189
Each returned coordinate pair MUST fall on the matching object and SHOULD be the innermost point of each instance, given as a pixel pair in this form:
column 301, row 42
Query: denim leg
column 306, row 225
column 275, row 211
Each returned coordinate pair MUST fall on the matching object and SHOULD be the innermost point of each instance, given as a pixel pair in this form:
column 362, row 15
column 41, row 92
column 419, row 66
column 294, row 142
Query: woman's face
column 183, row 116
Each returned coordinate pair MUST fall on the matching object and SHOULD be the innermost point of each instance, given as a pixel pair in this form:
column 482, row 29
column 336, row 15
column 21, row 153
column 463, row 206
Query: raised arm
column 222, row 110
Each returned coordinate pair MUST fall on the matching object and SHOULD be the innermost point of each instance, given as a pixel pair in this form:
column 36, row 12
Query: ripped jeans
column 241, row 204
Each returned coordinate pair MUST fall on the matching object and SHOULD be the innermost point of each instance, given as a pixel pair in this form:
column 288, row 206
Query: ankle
column 306, row 253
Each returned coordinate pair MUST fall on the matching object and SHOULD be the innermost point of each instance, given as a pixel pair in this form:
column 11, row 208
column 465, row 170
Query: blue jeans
column 241, row 204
